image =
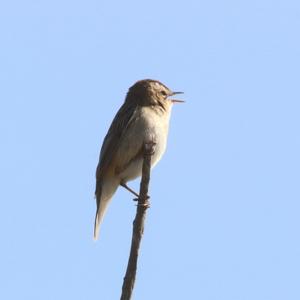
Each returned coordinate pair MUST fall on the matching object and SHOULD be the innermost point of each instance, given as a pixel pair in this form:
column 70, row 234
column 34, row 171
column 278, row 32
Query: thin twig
column 138, row 224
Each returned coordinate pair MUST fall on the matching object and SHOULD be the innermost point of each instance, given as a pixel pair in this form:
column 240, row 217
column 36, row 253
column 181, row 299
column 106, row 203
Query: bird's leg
column 124, row 185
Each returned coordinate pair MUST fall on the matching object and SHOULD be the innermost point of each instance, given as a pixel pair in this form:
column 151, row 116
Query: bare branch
column 138, row 224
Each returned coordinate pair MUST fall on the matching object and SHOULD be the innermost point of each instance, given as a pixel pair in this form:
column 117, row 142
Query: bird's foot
column 150, row 147
column 137, row 199
column 146, row 204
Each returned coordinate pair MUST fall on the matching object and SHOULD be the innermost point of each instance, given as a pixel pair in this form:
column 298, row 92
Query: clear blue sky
column 224, row 220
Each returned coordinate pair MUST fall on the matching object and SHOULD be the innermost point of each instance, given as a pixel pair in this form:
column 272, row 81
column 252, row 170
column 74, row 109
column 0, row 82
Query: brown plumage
column 144, row 116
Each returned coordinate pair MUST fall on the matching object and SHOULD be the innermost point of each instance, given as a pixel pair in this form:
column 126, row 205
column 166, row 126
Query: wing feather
column 113, row 138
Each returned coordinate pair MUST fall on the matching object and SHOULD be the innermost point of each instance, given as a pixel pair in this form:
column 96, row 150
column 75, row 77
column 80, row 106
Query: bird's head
column 150, row 92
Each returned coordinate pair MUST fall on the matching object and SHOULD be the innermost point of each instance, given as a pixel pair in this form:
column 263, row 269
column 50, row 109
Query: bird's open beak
column 175, row 100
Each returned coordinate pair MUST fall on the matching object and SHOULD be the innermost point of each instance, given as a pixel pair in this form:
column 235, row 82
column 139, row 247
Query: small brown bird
column 143, row 117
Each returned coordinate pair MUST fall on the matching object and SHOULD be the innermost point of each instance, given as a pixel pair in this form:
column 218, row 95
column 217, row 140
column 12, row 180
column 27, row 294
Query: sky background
column 224, row 219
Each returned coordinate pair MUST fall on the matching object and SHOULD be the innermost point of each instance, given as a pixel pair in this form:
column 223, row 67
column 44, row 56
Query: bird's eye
column 164, row 93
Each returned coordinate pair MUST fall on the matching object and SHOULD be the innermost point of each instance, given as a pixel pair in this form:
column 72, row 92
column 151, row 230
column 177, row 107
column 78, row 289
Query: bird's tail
column 104, row 194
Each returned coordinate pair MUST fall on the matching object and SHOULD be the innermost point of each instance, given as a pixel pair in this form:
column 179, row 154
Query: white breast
column 150, row 125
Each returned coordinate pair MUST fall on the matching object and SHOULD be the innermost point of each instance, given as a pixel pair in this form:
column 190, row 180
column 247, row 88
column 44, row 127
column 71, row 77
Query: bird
column 143, row 117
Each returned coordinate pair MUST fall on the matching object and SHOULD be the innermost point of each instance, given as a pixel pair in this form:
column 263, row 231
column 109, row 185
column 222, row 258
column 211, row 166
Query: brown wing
column 113, row 138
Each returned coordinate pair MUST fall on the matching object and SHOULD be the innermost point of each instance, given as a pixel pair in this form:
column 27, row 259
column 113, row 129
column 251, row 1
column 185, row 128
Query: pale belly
column 149, row 127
